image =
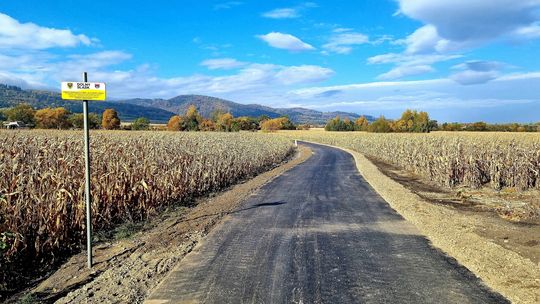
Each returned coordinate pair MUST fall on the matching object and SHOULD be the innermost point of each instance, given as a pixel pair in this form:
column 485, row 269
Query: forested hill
column 206, row 105
column 160, row 110
column 11, row 95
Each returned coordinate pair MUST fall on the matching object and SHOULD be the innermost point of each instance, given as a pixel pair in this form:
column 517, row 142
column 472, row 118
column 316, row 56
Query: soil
column 516, row 230
column 126, row 270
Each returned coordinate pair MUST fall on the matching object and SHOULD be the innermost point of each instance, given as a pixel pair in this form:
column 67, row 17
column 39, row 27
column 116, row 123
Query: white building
column 14, row 125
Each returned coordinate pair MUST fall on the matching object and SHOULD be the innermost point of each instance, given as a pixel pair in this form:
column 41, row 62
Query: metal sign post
column 87, row 195
column 86, row 91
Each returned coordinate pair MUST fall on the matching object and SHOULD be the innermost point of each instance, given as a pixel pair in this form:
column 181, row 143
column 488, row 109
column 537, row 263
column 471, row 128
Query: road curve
column 319, row 234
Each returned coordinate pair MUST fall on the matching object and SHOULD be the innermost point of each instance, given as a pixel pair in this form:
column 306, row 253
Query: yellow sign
column 83, row 90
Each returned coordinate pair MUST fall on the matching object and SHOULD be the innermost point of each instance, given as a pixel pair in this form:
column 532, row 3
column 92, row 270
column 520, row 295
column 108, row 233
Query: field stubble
column 502, row 170
column 134, row 175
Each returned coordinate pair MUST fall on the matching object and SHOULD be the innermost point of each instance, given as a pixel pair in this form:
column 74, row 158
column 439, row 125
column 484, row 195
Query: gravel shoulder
column 462, row 235
column 125, row 270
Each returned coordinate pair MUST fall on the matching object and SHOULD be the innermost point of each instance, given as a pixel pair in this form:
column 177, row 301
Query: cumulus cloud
column 17, row 35
column 455, row 24
column 251, row 79
column 343, row 41
column 222, row 63
column 282, row 13
column 286, row 42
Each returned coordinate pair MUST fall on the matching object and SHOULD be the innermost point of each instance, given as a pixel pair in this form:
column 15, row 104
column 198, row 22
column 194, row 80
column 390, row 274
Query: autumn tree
column 207, row 125
column 110, row 120
column 224, row 122
column 245, row 123
column 48, row 118
column 175, row 123
column 270, row 125
column 192, row 119
column 22, row 112
column 140, row 123
column 414, row 121
column 361, row 124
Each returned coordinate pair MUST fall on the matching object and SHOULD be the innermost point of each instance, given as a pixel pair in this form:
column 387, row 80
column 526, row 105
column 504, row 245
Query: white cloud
column 476, row 72
column 222, row 63
column 509, row 98
column 227, row 5
column 530, row 32
column 343, row 41
column 251, row 80
column 410, row 59
column 407, row 64
column 470, row 77
column 282, row 13
column 286, row 42
column 457, row 24
column 16, row 35
column 404, row 71
column 303, row 74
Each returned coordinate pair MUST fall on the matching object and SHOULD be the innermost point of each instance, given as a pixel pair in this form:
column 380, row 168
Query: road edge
column 506, row 272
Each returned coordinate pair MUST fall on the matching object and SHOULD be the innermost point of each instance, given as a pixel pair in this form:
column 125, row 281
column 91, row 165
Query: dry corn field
column 495, row 160
column 134, row 174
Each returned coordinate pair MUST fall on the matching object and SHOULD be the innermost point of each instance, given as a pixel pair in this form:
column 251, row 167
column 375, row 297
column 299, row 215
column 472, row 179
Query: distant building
column 15, row 125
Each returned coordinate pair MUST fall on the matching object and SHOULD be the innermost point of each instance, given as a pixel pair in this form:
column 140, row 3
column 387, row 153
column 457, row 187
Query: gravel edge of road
column 506, row 272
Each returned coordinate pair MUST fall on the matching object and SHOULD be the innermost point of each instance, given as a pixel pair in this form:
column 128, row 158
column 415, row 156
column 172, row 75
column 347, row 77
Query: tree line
column 412, row 121
column 222, row 121
column 191, row 120
column 61, row 118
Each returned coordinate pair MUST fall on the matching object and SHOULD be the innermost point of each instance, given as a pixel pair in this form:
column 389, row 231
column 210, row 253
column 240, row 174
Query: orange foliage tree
column 175, row 123
column 48, row 118
column 110, row 120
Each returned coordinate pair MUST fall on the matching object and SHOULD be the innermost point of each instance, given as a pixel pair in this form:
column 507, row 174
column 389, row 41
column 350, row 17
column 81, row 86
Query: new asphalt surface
column 319, row 234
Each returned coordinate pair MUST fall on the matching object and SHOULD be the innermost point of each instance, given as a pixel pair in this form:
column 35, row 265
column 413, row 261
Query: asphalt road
column 319, row 234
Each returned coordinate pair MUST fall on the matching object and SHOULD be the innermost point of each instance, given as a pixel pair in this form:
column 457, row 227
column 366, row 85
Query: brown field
column 502, row 168
column 134, row 175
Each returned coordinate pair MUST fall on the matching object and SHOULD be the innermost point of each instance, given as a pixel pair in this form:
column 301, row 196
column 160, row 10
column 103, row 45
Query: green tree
column 140, row 123
column 286, row 123
column 477, row 126
column 245, row 123
column 110, row 120
column 22, row 112
column 192, row 119
column 336, row 124
column 77, row 120
column 381, row 125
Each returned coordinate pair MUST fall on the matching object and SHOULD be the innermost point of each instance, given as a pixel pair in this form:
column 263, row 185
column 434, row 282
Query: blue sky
column 460, row 60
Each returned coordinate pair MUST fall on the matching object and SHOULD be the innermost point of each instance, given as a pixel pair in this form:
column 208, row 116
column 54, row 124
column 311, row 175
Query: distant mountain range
column 207, row 105
column 160, row 110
